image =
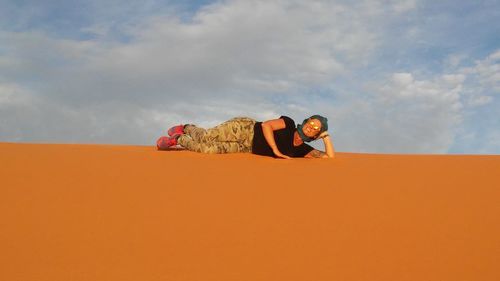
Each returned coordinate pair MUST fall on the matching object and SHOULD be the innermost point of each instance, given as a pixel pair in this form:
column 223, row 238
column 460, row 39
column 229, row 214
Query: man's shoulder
column 288, row 121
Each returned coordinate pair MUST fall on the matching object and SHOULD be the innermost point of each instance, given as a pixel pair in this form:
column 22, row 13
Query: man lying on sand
column 278, row 138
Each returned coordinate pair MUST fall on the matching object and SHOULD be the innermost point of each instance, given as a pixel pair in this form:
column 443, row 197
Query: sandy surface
column 103, row 212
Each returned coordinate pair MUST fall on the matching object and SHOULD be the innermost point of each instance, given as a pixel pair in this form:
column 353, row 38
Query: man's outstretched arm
column 330, row 151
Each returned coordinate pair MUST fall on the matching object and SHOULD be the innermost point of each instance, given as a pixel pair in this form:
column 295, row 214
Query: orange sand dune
column 103, row 212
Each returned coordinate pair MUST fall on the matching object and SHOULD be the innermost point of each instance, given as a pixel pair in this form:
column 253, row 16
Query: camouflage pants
column 234, row 135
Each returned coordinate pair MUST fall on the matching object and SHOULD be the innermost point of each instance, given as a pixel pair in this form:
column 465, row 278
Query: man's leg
column 235, row 135
column 211, row 147
column 238, row 129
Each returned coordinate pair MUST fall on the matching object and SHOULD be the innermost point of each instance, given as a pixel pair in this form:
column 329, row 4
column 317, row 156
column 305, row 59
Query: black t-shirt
column 283, row 138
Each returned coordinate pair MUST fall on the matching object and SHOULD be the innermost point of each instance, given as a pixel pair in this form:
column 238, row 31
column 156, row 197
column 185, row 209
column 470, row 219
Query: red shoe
column 164, row 143
column 179, row 129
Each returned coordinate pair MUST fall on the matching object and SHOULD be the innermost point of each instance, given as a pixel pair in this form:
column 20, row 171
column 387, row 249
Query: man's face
column 312, row 128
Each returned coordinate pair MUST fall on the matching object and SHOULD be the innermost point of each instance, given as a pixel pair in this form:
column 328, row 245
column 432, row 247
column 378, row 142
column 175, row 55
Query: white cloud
column 10, row 93
column 494, row 56
column 402, row 80
column 402, row 6
column 276, row 46
column 454, row 60
column 403, row 115
column 404, row 86
column 483, row 79
column 232, row 58
column 479, row 100
column 420, row 115
column 487, row 71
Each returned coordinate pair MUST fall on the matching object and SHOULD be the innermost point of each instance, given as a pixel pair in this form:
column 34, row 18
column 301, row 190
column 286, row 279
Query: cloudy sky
column 392, row 76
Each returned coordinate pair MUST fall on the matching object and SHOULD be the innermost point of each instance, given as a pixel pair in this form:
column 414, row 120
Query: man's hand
column 280, row 155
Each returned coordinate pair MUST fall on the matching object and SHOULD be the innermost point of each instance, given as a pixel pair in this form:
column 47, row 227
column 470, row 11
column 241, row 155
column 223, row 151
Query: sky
column 391, row 76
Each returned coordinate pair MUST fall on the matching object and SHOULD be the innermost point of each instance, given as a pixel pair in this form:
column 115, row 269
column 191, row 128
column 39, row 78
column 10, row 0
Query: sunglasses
column 313, row 125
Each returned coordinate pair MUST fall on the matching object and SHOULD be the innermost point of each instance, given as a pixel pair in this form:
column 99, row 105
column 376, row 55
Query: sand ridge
column 111, row 212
